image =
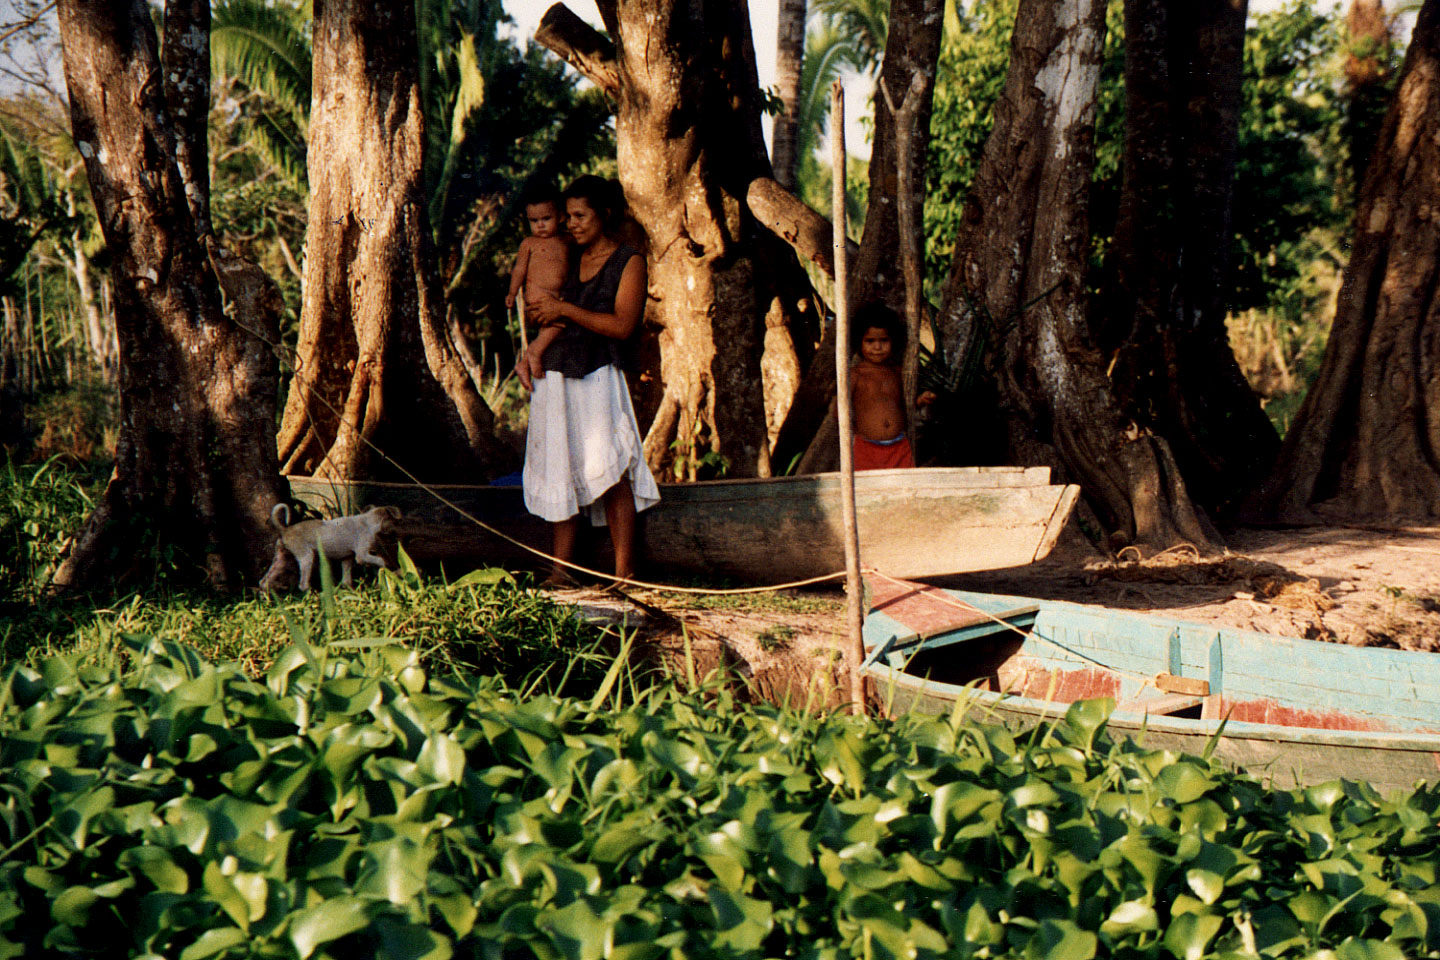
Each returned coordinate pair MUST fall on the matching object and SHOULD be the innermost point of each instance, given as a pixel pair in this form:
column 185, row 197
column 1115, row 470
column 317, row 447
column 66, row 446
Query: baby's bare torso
column 549, row 264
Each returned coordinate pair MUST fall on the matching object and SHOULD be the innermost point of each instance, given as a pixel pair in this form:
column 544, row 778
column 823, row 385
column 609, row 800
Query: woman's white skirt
column 582, row 440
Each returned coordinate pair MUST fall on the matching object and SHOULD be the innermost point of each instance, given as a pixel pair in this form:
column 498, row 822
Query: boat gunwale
column 883, row 673
column 873, row 478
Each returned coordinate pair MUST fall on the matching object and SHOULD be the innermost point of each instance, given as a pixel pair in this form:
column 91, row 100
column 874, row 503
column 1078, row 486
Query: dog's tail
column 276, row 512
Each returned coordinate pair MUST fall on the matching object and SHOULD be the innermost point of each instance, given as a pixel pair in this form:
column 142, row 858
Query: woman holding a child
column 583, row 447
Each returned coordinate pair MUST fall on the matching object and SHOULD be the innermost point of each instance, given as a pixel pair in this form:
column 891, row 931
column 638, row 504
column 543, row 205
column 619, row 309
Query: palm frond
column 266, row 49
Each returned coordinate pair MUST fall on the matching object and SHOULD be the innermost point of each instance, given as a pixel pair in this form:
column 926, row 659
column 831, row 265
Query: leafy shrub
column 40, row 507
column 348, row 805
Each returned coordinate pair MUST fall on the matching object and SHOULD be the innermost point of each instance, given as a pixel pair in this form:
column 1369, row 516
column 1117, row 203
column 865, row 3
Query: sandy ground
column 1366, row 586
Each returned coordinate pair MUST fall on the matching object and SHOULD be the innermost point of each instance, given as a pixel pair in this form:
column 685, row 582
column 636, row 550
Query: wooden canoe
column 1300, row 712
column 913, row 523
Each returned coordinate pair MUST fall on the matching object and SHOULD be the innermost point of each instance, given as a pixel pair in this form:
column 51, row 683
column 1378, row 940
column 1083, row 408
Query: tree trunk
column 912, row 50
column 1365, row 442
column 185, row 53
column 195, row 465
column 1019, row 280
column 1163, row 330
column 1367, row 63
column 789, row 60
column 378, row 386
column 726, row 295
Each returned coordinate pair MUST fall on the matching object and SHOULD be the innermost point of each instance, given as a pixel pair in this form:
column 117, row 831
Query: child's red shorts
column 870, row 455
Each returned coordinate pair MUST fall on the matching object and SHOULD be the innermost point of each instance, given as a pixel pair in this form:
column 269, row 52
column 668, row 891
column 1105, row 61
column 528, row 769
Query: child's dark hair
column 543, row 193
column 603, row 196
column 876, row 314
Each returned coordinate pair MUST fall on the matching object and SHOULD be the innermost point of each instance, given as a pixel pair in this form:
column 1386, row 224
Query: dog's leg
column 365, row 553
column 346, row 565
column 307, row 564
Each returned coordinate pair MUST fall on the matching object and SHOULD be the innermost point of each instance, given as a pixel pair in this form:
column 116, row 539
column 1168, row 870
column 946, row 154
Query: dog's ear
column 393, row 513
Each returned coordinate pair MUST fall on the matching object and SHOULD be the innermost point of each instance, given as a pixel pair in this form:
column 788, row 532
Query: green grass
column 487, row 622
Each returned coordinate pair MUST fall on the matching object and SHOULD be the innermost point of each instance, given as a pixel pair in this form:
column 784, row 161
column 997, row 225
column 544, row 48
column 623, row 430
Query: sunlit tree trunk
column 789, row 59
column 377, row 380
column 912, row 49
column 1162, row 325
column 195, row 467
column 727, row 297
column 1018, row 279
column 1366, row 442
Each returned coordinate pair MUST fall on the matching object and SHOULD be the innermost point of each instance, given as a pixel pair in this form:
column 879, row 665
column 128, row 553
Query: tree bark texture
column 1366, row 442
column 378, row 385
column 789, row 59
column 1018, row 280
column 912, row 50
column 725, row 294
column 1163, row 329
column 195, row 466
column 185, row 56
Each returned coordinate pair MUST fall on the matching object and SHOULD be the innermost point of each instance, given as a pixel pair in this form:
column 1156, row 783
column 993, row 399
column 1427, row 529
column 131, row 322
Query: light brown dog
column 350, row 540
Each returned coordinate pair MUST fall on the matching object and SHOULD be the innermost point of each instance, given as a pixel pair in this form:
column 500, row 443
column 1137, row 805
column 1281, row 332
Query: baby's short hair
column 876, row 314
column 543, row 193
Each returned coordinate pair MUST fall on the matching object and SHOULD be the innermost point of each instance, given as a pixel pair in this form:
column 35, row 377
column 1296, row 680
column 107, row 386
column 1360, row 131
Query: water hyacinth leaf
column 408, row 941
column 73, row 906
column 1085, row 719
column 157, row 866
column 741, row 922
column 213, row 942
column 74, row 820
column 330, row 920
column 1061, row 940
column 1132, row 916
column 1356, row 949
column 222, row 891
column 577, row 930
column 441, row 758
column 616, row 844
column 1205, row 885
column 393, row 870
column 1183, row 782
column 1189, row 935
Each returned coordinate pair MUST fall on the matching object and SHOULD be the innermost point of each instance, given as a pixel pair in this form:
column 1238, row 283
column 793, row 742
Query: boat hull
column 758, row 531
column 1294, row 712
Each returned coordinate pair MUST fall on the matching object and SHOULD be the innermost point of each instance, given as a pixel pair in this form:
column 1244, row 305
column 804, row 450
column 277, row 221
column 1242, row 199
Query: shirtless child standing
column 540, row 269
column 877, row 403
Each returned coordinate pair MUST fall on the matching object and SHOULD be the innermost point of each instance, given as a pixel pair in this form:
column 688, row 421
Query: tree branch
column 793, row 221
column 580, row 45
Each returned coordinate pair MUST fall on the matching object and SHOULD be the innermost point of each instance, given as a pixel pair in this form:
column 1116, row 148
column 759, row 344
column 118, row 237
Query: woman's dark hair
column 876, row 314
column 603, row 196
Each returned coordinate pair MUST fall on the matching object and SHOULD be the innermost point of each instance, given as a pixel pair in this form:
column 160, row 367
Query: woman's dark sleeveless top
column 578, row 352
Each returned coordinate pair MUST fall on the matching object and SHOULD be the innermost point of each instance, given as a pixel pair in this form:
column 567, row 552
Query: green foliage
column 266, row 46
column 1289, row 199
column 30, row 202
column 40, row 507
column 1290, row 207
column 347, row 804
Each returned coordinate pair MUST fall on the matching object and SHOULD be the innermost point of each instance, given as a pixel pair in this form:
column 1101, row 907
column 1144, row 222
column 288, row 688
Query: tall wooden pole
column 854, row 610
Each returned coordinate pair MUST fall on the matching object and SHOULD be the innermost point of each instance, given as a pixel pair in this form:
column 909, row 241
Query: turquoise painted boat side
column 1367, row 713
column 1286, row 757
